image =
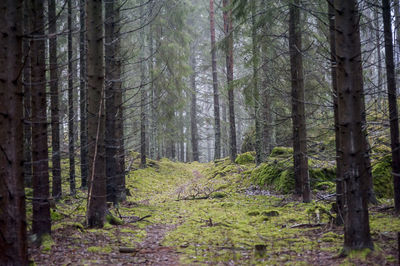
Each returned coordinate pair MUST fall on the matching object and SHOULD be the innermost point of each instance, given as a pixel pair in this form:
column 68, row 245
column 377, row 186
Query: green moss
column 97, row 249
column 327, row 186
column 218, row 195
column 111, row 219
column 281, row 152
column 55, row 216
column 382, row 176
column 46, row 243
column 245, row 158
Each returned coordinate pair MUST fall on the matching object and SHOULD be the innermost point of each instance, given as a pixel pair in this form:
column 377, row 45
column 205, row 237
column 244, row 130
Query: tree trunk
column 229, row 76
column 392, row 99
column 27, row 100
column 83, row 97
column 379, row 91
column 217, row 123
column 351, row 120
column 339, row 174
column 13, row 240
column 193, row 108
column 54, row 102
column 142, row 91
column 256, row 93
column 96, row 120
column 111, row 110
column 41, row 223
column 300, row 160
column 71, row 140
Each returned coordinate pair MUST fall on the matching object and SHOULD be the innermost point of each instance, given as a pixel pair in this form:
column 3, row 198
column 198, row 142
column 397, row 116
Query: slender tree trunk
column 83, row 98
column 71, row 141
column 111, row 110
column 265, row 106
column 13, row 240
column 54, row 101
column 182, row 137
column 256, row 93
column 217, row 123
column 392, row 98
column 352, row 134
column 41, row 223
column 193, row 108
column 225, row 138
column 27, row 100
column 152, row 95
column 229, row 75
column 339, row 174
column 96, row 120
column 298, row 109
column 142, row 92
column 378, row 51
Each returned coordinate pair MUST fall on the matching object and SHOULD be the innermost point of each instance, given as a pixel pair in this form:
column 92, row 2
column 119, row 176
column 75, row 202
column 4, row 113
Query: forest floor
column 193, row 214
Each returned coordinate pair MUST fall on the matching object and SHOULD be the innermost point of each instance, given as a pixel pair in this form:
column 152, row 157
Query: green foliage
column 97, row 249
column 282, row 152
column 46, row 243
column 55, row 216
column 382, row 176
column 245, row 158
column 111, row 219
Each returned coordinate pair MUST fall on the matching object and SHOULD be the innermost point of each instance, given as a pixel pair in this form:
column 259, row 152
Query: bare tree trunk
column 142, row 91
column 13, row 240
column 111, row 110
column 96, row 120
column 378, row 51
column 55, row 112
column 217, row 123
column 83, row 97
column 351, row 120
column 392, row 98
column 71, row 141
column 193, row 109
column 339, row 174
column 41, row 223
column 256, row 93
column 229, row 75
column 153, row 121
column 27, row 100
column 300, row 159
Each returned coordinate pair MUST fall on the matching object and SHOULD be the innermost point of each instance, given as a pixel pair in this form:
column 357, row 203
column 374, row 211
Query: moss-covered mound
column 382, row 176
column 278, row 172
column 245, row 158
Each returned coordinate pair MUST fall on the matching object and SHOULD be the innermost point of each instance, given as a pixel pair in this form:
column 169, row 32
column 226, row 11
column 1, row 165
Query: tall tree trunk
column 54, row 102
column 392, row 98
column 351, row 120
column 256, row 93
column 82, row 96
column 229, row 76
column 27, row 100
column 379, row 92
column 225, row 137
column 111, row 110
column 13, row 240
column 300, row 159
column 217, row 123
column 339, row 174
column 71, row 140
column 193, row 108
column 153, row 125
column 41, row 223
column 96, row 120
column 142, row 91
column 181, row 137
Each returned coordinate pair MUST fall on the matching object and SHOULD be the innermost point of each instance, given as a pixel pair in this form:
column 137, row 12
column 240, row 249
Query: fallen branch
column 306, row 225
column 139, row 219
column 193, row 198
column 127, row 250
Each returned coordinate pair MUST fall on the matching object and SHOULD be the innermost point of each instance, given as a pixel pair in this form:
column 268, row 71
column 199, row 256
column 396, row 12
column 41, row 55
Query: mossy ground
column 209, row 219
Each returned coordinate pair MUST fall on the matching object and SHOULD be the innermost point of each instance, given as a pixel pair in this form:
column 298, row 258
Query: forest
column 199, row 132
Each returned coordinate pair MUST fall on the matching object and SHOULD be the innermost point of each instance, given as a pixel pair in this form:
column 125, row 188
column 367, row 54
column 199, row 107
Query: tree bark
column 54, row 102
column 13, row 240
column 256, row 93
column 111, row 110
column 142, row 91
column 339, row 174
column 41, row 223
column 27, row 100
column 229, row 76
column 392, row 99
column 83, row 96
column 193, row 108
column 353, row 141
column 96, row 119
column 217, row 123
column 300, row 160
column 71, row 140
